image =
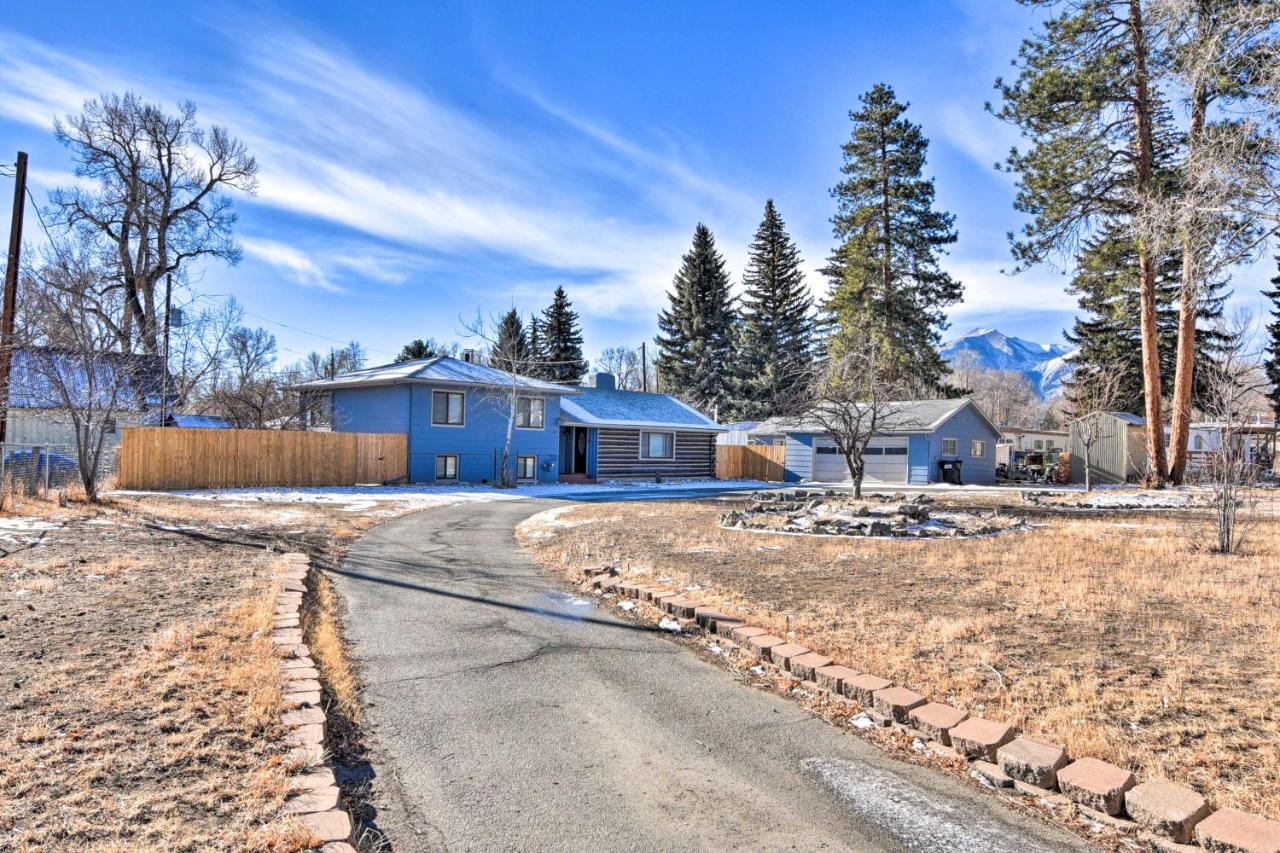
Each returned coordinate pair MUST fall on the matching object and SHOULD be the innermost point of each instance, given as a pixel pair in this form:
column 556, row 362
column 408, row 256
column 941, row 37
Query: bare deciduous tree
column 627, row 368
column 514, row 400
column 247, row 391
column 855, row 396
column 1005, row 396
column 1095, row 391
column 153, row 199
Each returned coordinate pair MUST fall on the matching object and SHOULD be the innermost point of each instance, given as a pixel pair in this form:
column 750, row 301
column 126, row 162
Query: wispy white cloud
column 343, row 144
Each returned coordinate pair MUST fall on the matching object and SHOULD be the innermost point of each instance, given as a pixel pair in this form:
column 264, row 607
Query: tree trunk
column 1143, row 164
column 1184, row 377
column 1088, row 474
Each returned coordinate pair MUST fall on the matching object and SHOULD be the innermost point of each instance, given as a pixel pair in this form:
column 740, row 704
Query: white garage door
column 886, row 462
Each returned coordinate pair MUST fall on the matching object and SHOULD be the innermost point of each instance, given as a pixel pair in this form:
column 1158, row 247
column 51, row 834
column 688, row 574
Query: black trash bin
column 949, row 471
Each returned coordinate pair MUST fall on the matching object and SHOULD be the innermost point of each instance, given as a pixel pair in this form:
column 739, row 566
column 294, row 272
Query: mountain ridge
column 1047, row 366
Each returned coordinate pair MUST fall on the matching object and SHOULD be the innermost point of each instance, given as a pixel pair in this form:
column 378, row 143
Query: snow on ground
column 365, row 498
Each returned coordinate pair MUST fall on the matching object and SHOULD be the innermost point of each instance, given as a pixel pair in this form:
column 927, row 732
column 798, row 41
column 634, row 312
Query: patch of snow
column 626, row 605
column 715, row 649
column 862, row 721
column 27, row 523
column 669, row 624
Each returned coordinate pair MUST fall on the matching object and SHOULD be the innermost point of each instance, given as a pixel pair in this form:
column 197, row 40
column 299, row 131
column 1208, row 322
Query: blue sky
column 420, row 162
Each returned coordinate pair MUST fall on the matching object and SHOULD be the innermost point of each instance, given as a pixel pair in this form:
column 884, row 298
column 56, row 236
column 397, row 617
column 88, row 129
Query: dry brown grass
column 142, row 695
column 321, row 627
column 1115, row 636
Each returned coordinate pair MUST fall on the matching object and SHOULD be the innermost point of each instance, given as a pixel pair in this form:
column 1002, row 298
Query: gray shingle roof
column 907, row 416
column 598, row 406
column 440, row 369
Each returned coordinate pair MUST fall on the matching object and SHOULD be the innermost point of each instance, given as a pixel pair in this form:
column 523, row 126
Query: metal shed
column 1119, row 455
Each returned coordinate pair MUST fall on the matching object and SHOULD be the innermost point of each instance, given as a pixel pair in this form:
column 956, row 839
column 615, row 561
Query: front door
column 579, row 450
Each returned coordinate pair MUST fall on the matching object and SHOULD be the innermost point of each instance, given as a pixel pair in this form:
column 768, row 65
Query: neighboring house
column 925, row 435
column 186, row 421
column 1020, row 438
column 737, row 433
column 456, row 412
column 37, row 413
column 606, row 434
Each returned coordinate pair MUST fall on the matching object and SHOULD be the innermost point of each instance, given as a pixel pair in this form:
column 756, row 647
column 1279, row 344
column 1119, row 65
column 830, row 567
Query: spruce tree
column 1109, row 333
column 511, row 349
column 537, row 352
column 884, row 273
column 1271, row 344
column 696, row 331
column 562, row 341
column 775, row 340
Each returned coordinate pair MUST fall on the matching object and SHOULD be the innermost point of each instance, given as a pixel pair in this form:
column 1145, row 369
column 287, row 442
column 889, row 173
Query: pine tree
column 537, row 352
column 696, row 332
column 775, row 340
column 1084, row 99
column 511, row 349
column 884, row 273
column 414, row 350
column 562, row 341
column 1106, row 281
column 1271, row 344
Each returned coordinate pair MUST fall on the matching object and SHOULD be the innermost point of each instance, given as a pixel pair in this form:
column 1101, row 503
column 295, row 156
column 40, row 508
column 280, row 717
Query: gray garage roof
column 901, row 418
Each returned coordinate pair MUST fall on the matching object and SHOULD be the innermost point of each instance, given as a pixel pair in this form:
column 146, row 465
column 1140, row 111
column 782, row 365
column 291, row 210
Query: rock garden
column 832, row 513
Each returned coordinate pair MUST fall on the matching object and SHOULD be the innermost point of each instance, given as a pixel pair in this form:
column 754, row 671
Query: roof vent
column 606, row 382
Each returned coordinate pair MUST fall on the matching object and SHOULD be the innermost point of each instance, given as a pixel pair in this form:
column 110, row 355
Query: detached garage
column 931, row 440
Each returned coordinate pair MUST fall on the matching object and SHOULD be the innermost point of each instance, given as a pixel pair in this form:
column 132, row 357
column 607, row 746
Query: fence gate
column 174, row 458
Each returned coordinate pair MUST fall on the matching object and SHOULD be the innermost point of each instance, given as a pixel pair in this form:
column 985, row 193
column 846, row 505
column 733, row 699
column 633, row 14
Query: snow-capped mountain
column 1045, row 365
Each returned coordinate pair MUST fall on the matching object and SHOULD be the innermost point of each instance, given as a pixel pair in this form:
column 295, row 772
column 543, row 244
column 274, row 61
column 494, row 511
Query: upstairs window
column 530, row 412
column 447, row 408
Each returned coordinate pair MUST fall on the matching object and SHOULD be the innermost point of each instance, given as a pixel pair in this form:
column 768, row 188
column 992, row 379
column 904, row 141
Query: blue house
column 456, row 414
column 925, row 441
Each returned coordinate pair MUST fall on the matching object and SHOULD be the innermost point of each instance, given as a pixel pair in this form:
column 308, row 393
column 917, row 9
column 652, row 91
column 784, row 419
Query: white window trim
column 432, row 413
column 534, row 475
column 641, row 448
column 436, row 462
column 541, row 400
column 977, row 448
column 955, row 451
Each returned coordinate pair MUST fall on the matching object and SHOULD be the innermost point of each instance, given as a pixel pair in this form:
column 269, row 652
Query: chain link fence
column 34, row 469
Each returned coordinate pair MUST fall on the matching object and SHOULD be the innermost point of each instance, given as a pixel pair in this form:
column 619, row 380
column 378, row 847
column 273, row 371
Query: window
column 657, row 445
column 1048, row 445
column 109, row 426
column 446, row 408
column 526, row 467
column 530, row 412
column 827, row 449
column 1039, row 444
column 873, row 451
column 950, row 447
column 895, row 451
column 1199, row 442
column 977, row 449
column 446, row 467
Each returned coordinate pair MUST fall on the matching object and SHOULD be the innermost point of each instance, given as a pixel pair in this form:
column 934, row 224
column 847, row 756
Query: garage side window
column 447, row 408
column 977, row 449
column 950, row 446
column 657, row 445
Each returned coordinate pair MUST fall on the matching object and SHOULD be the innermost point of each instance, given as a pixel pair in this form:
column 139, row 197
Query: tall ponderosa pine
column 511, row 349
column 696, row 336
column 775, row 340
column 1084, row 100
column 562, row 341
column 1109, row 334
column 1271, row 344
column 884, row 273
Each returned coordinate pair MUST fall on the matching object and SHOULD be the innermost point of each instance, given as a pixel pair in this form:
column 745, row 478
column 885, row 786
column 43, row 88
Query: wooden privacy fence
column 751, row 462
column 172, row 458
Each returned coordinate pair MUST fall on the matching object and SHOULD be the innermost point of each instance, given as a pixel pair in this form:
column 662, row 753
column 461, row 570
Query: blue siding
column 383, row 409
column 965, row 426
column 918, row 460
column 799, row 460
column 593, row 451
column 477, row 444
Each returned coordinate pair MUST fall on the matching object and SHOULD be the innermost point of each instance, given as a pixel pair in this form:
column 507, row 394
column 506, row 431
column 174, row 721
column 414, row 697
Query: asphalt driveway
column 509, row 715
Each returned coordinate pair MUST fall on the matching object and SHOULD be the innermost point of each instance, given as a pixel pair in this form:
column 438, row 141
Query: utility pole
column 11, row 289
column 644, row 366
